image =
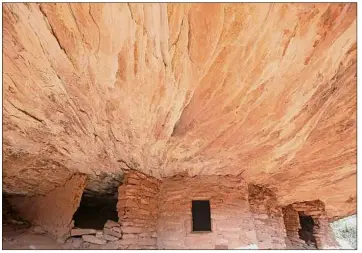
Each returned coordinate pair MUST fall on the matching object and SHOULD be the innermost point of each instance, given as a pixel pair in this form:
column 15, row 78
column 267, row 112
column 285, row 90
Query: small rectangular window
column 201, row 218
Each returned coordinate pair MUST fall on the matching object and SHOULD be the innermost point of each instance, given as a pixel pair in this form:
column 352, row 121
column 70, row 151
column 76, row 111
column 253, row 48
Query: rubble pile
column 80, row 237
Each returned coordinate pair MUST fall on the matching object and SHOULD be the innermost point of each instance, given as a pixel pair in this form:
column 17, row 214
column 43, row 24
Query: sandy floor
column 22, row 237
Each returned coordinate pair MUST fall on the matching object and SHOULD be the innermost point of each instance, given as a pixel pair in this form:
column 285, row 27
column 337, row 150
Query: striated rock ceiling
column 267, row 91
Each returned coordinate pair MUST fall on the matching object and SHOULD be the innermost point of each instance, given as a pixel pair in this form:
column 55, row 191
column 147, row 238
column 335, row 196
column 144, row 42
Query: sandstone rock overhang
column 266, row 91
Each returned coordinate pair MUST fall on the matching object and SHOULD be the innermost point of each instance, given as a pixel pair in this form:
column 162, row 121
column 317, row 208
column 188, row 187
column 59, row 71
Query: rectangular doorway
column 306, row 232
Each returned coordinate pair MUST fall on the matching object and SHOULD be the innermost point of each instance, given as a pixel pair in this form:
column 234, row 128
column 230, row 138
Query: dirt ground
column 19, row 234
column 24, row 237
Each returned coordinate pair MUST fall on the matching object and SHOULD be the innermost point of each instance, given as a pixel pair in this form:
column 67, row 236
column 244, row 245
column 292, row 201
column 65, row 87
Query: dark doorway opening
column 95, row 210
column 201, row 216
column 306, row 231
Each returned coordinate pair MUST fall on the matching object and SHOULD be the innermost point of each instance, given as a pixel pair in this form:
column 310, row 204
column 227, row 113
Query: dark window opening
column 201, row 218
column 306, row 231
column 95, row 210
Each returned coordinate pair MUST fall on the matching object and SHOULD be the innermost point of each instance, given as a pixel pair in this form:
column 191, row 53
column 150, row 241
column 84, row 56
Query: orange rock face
column 263, row 90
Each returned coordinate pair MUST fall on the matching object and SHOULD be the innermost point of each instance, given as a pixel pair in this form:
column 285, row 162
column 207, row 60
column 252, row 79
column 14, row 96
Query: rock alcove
column 260, row 93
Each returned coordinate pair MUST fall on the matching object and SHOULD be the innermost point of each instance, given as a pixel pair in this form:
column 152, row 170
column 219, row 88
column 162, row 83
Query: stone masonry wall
column 321, row 231
column 231, row 221
column 137, row 211
column 53, row 212
column 292, row 225
column 268, row 218
column 156, row 214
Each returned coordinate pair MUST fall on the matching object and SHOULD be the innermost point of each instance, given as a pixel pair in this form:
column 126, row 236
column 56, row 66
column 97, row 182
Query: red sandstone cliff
column 266, row 90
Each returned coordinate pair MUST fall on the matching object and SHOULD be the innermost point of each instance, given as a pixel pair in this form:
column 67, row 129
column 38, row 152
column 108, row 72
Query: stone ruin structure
column 180, row 126
column 160, row 214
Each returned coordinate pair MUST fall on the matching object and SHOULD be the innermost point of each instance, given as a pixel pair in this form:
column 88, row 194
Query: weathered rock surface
column 38, row 230
column 110, row 238
column 93, row 239
column 54, row 211
column 265, row 90
column 99, row 234
column 111, row 232
column 111, row 224
column 82, row 231
column 74, row 243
